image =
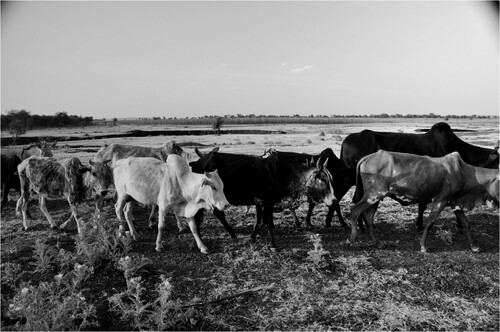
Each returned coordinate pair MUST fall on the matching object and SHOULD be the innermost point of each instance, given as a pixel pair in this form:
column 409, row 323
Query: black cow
column 265, row 182
column 333, row 166
column 437, row 142
column 9, row 179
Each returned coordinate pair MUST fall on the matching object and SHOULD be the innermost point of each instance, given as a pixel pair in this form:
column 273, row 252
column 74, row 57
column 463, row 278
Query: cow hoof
column 475, row 249
column 55, row 228
column 273, row 249
column 379, row 245
column 424, row 250
column 205, row 251
column 159, row 249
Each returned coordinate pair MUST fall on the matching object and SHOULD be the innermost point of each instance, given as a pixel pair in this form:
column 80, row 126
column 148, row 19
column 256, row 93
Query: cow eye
column 93, row 174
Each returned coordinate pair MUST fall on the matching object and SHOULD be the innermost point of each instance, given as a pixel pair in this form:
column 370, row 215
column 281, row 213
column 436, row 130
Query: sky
column 188, row 59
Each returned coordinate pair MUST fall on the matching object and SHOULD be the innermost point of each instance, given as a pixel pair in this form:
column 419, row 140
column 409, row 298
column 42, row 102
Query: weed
column 163, row 314
column 131, row 266
column 11, row 274
column 52, row 305
column 318, row 254
column 45, row 256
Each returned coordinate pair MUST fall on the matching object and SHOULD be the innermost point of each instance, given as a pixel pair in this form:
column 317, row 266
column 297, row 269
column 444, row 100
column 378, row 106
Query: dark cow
column 10, row 180
column 334, row 168
column 408, row 178
column 52, row 179
column 437, row 142
column 266, row 182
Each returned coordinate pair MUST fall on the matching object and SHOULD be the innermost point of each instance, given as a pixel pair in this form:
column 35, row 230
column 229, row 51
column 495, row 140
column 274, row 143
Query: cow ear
column 207, row 175
column 215, row 149
column 106, row 161
column 91, row 162
column 198, row 152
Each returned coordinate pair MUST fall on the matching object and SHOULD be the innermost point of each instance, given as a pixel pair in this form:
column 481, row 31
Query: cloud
column 298, row 70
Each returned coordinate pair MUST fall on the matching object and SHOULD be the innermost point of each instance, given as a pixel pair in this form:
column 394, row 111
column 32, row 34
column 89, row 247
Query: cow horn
column 215, row 149
column 207, row 175
column 198, row 152
column 91, row 162
column 318, row 164
column 325, row 164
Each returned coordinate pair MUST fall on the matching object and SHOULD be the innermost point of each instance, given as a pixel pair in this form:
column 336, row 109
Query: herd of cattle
column 435, row 168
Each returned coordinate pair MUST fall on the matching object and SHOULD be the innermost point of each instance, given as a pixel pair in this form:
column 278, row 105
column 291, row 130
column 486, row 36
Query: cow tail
column 359, row 183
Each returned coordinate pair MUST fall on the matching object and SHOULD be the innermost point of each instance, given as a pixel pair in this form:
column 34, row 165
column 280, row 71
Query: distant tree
column 17, row 128
column 217, row 124
column 115, row 120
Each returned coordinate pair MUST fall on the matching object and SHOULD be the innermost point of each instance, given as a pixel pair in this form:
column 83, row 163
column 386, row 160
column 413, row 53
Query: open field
column 52, row 280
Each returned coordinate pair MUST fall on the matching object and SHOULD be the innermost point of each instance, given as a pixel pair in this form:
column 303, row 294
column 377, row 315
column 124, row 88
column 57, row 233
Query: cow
column 172, row 186
column 13, row 157
column 334, row 167
column 53, row 179
column 35, row 149
column 407, row 178
column 9, row 177
column 265, row 182
column 437, row 142
column 116, row 152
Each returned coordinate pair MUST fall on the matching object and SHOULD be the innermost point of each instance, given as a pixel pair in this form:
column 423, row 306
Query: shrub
column 55, row 305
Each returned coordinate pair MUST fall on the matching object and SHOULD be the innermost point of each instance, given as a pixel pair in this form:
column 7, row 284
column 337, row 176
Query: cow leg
column 99, row 205
column 309, row 213
column 194, row 229
column 43, row 208
column 268, row 220
column 22, row 207
column 181, row 226
column 329, row 216
column 296, row 221
column 356, row 212
column 162, row 214
column 79, row 222
column 421, row 210
column 5, row 195
column 130, row 220
column 222, row 218
column 151, row 218
column 461, row 220
column 369, row 213
column 259, row 223
column 435, row 211
column 460, row 225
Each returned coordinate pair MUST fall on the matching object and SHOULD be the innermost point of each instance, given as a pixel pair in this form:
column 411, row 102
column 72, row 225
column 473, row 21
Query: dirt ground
column 450, row 271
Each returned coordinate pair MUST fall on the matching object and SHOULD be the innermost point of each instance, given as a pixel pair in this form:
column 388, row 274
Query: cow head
column 172, row 147
column 100, row 176
column 492, row 161
column 212, row 191
column 205, row 163
column 319, row 184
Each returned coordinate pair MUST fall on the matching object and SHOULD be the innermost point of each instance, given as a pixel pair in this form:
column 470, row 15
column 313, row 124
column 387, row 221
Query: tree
column 217, row 124
column 115, row 120
column 16, row 128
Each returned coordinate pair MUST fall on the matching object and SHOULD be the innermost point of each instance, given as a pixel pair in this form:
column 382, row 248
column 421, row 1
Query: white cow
column 116, row 152
column 172, row 186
